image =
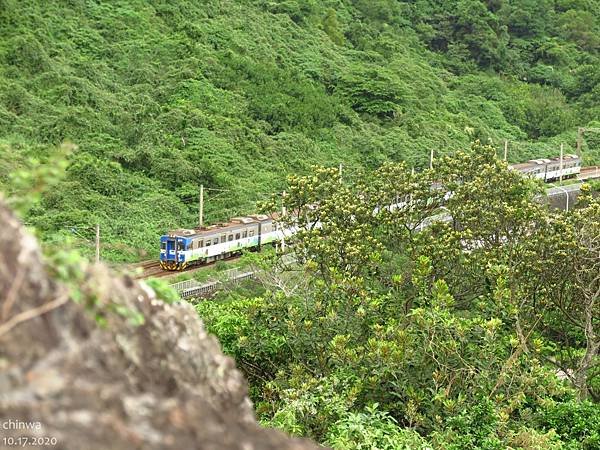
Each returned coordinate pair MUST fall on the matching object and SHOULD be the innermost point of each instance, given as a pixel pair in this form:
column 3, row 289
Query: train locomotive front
column 182, row 248
column 172, row 252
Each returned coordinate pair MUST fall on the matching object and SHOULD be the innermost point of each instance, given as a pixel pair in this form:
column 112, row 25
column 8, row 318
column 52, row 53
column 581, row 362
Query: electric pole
column 505, row 149
column 283, row 208
column 431, row 159
column 284, row 212
column 412, row 177
column 201, row 209
column 97, row 243
column 560, row 167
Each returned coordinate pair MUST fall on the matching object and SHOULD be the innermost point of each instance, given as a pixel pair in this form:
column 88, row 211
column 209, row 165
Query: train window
column 252, row 233
column 179, row 246
column 223, row 238
column 245, row 234
column 215, row 240
column 199, row 244
column 237, row 236
column 208, row 242
column 230, row 238
column 163, row 245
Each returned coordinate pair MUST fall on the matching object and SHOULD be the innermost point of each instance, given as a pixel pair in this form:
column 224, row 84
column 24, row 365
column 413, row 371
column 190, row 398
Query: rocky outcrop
column 98, row 362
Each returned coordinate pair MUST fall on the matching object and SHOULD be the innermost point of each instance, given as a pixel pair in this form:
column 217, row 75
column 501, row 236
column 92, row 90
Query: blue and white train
column 182, row 248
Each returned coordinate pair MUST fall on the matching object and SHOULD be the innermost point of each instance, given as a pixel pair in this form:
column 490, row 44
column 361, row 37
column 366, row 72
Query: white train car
column 182, row 248
column 185, row 247
column 550, row 169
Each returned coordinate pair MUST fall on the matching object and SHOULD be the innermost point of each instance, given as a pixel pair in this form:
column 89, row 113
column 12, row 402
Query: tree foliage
column 452, row 313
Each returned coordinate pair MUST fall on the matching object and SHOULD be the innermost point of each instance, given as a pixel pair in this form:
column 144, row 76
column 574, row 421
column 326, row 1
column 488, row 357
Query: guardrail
column 193, row 288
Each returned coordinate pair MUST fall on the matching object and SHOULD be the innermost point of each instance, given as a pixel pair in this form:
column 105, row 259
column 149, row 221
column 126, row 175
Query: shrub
column 577, row 423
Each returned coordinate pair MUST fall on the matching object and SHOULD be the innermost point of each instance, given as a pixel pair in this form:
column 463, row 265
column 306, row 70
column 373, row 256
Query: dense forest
column 158, row 97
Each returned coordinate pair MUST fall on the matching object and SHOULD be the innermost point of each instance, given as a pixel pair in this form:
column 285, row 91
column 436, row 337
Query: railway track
column 152, row 269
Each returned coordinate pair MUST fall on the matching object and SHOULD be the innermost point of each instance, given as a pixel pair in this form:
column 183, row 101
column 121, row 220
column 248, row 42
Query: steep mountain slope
column 162, row 96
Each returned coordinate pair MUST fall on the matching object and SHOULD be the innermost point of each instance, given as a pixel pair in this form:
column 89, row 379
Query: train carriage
column 550, row 169
column 182, row 248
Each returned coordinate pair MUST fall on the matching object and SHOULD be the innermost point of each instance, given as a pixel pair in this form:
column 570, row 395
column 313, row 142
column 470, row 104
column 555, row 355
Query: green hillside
column 162, row 96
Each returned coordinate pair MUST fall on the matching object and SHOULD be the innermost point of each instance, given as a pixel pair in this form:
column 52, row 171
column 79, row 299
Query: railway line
column 151, row 268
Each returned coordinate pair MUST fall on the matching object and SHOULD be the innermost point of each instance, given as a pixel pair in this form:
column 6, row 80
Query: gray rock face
column 80, row 375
